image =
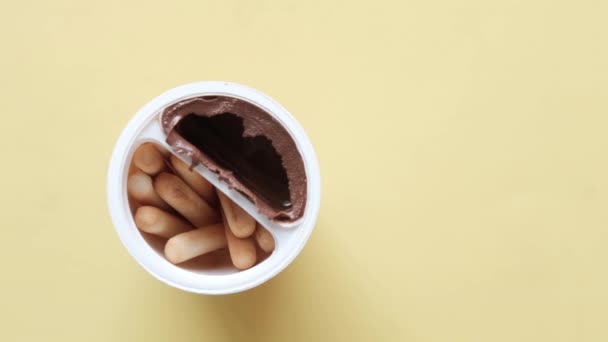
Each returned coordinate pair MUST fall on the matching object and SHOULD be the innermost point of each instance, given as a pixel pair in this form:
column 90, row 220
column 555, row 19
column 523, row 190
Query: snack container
column 145, row 126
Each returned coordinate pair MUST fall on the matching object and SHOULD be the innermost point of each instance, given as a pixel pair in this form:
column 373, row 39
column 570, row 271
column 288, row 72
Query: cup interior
column 214, row 263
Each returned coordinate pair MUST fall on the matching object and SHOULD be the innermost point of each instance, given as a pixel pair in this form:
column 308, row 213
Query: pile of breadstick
column 178, row 204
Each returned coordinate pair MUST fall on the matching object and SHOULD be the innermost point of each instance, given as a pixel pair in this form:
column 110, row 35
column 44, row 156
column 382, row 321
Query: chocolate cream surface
column 247, row 147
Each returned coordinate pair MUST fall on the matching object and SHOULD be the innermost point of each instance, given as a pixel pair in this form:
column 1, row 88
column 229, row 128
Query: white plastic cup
column 289, row 239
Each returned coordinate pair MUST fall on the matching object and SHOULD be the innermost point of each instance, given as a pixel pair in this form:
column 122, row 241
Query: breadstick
column 241, row 224
column 183, row 199
column 140, row 186
column 242, row 251
column 148, row 158
column 159, row 222
column 199, row 184
column 196, row 242
column 264, row 239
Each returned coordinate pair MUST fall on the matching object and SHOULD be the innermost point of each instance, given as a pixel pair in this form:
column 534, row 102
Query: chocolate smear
column 245, row 146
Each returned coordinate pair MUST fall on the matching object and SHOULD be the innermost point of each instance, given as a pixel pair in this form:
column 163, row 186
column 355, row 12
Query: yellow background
column 462, row 144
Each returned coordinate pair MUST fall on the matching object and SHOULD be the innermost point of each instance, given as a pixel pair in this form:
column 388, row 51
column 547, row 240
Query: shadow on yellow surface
column 298, row 304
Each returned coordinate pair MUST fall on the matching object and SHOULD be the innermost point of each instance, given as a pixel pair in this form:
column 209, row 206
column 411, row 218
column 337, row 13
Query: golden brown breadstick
column 159, row 222
column 242, row 251
column 264, row 239
column 183, row 199
column 199, row 184
column 148, row 158
column 241, row 224
column 191, row 244
column 140, row 186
